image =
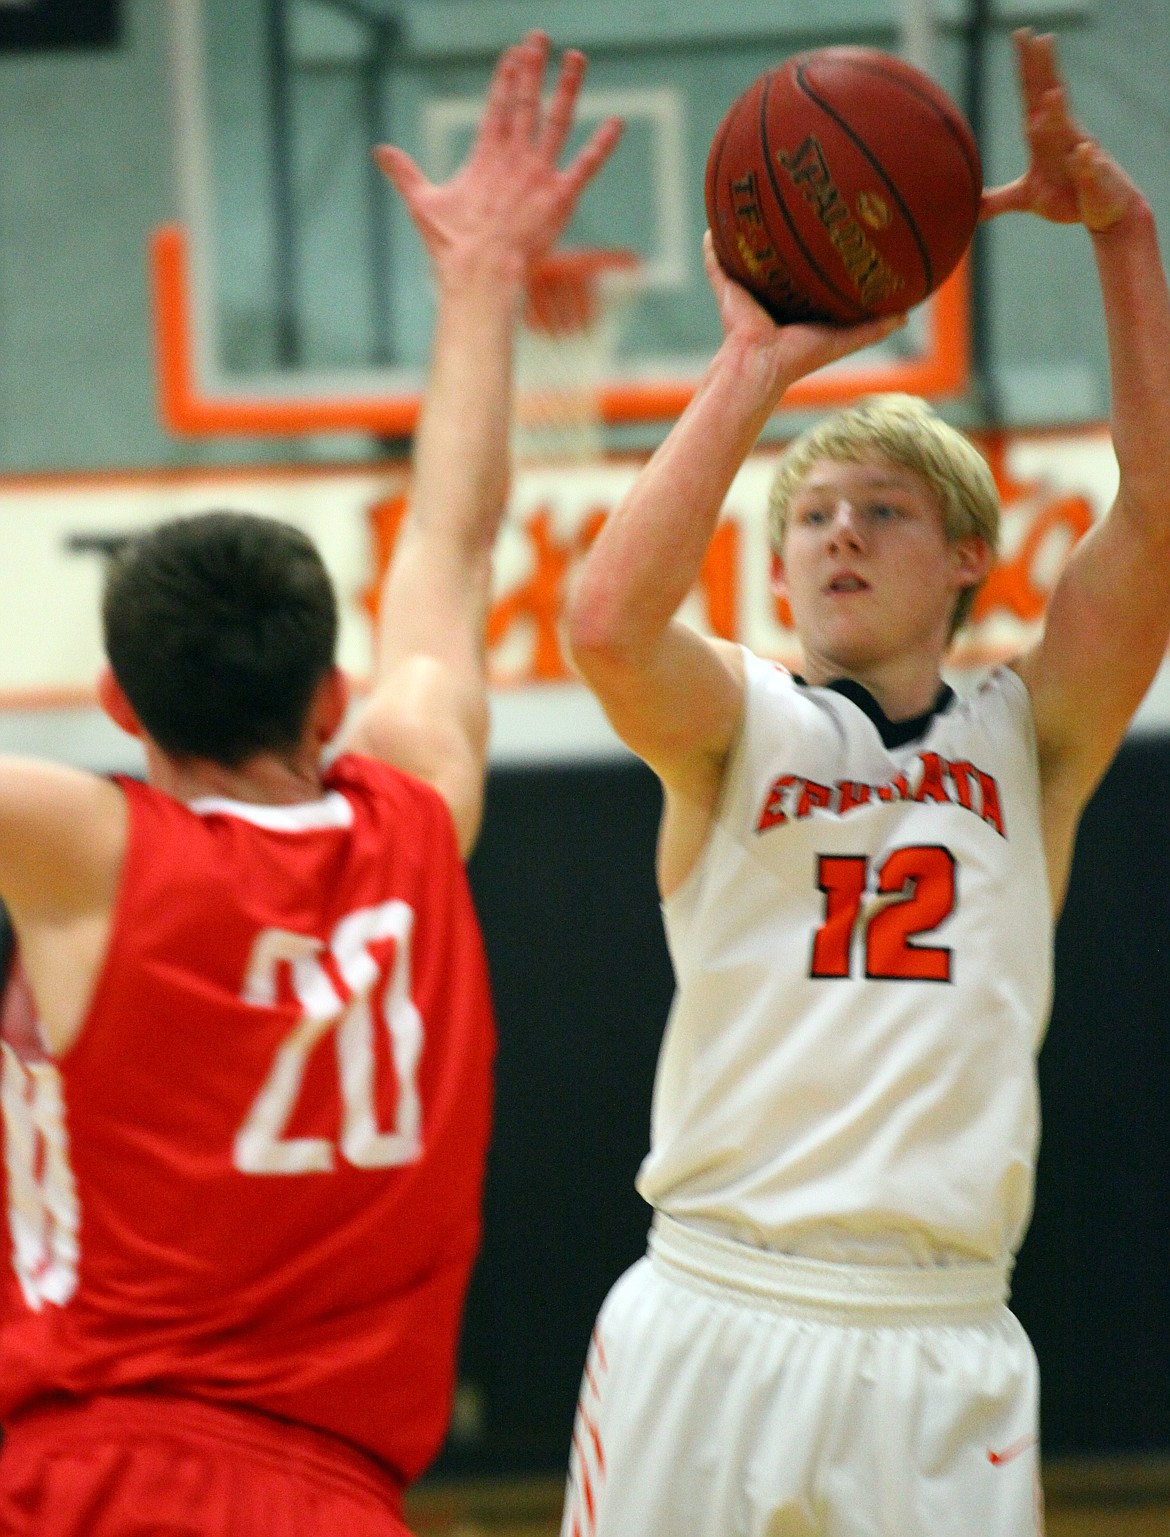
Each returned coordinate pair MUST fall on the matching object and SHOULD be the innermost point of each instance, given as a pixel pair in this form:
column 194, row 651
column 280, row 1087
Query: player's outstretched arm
column 674, row 697
column 483, row 230
column 1108, row 623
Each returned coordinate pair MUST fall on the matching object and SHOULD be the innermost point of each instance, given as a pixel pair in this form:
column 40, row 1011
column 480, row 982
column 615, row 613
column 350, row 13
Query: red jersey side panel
column 273, row 1126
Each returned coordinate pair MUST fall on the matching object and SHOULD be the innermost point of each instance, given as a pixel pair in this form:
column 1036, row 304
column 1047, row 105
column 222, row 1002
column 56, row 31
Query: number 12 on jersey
column 919, row 884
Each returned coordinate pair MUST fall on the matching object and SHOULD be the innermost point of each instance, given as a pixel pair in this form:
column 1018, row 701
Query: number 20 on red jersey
column 261, row 1145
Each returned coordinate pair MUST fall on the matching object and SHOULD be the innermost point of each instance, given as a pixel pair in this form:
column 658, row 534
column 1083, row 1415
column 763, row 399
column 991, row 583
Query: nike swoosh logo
column 1010, row 1453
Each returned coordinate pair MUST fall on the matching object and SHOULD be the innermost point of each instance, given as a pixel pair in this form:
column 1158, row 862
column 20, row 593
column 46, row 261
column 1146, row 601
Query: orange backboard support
column 189, row 410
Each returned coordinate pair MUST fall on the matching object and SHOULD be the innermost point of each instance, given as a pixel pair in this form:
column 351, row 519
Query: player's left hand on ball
column 1070, row 179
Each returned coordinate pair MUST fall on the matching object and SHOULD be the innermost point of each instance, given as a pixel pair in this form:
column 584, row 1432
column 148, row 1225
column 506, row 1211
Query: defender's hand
column 509, row 201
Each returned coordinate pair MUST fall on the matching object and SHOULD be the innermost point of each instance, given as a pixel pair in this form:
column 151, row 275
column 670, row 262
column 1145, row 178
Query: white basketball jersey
column 863, row 959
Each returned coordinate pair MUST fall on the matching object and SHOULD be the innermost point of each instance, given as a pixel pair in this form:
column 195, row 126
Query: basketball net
column 567, row 340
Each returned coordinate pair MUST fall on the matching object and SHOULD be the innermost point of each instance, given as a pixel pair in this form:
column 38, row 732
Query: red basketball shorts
column 145, row 1465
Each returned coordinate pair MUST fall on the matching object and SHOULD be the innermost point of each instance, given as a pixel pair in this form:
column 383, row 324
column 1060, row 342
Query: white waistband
column 790, row 1283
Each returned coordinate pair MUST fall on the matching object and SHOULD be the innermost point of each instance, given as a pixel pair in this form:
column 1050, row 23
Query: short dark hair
column 219, row 627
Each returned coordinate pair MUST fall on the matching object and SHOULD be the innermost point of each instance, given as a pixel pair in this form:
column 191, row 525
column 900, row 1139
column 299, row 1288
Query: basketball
column 842, row 185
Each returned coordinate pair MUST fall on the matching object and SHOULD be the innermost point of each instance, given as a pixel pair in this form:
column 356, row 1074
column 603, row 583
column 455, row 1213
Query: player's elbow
column 598, row 635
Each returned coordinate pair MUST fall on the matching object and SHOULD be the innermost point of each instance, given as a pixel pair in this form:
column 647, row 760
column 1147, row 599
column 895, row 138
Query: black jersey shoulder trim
column 894, row 733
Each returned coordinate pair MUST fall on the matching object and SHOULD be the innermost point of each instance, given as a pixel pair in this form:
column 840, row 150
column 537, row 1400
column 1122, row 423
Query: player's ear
column 777, row 579
column 974, row 558
column 114, row 702
column 330, row 703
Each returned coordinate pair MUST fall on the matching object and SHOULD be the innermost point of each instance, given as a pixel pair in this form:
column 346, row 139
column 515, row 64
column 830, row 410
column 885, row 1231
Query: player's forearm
column 1137, row 317
column 650, row 552
column 461, row 457
column 436, row 592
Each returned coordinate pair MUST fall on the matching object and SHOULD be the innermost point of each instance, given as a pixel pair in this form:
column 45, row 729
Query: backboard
column 291, row 295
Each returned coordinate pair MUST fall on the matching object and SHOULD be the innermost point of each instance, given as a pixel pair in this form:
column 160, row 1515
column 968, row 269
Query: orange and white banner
column 55, row 534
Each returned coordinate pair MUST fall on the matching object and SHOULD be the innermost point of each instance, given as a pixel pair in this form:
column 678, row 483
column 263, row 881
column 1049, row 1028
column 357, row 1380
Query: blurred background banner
column 57, row 533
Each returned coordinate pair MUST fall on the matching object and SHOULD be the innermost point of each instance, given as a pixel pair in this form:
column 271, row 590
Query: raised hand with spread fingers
column 484, row 229
column 510, row 200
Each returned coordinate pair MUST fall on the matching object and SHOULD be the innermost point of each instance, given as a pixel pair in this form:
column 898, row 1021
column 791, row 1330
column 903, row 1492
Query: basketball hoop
column 566, row 343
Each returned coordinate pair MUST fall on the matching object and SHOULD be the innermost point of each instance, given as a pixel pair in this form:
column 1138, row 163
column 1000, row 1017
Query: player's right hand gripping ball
column 842, row 185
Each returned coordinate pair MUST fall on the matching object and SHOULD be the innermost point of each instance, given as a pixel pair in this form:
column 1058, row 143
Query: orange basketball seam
column 783, row 207
column 859, row 143
column 907, row 84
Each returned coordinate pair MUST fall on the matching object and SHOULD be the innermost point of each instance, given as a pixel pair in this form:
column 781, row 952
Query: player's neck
column 903, row 689
column 268, row 779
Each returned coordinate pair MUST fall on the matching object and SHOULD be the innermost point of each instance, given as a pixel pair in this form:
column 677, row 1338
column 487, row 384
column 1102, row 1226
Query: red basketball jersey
column 256, row 1177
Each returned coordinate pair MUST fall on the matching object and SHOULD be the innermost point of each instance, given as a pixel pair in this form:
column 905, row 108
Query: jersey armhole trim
column 135, row 792
column 1006, row 676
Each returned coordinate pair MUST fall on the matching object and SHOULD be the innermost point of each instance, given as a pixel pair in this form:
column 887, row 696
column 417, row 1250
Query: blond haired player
column 247, row 1054
column 859, row 873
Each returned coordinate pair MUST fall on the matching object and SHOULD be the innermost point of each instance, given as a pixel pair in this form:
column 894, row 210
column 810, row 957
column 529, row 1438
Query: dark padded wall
column 31, row 25
column 564, row 881
column 1093, row 1281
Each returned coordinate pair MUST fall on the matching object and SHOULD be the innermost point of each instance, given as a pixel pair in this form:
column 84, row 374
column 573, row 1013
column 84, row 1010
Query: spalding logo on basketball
column 842, row 185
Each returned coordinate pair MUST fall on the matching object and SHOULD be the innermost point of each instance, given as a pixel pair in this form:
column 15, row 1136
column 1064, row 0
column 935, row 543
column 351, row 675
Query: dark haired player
column 246, row 1048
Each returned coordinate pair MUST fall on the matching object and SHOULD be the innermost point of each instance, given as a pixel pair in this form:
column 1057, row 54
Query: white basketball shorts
column 734, row 1392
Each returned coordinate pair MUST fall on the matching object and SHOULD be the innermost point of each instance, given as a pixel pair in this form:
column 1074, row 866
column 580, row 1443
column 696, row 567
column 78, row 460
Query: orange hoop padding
column 189, row 412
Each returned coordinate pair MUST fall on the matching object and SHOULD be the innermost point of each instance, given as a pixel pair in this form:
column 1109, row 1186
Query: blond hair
column 906, row 431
